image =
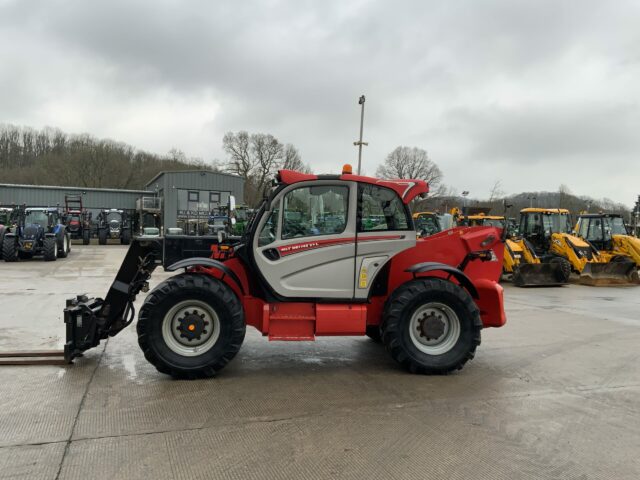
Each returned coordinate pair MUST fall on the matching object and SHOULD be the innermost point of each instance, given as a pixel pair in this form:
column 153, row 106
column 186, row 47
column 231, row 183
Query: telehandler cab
column 309, row 264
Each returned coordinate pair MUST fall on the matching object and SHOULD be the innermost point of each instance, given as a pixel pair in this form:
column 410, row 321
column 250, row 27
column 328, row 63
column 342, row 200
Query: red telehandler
column 310, row 264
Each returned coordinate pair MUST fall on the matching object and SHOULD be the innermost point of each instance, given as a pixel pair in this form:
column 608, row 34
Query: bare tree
column 411, row 162
column 293, row 161
column 257, row 157
column 496, row 191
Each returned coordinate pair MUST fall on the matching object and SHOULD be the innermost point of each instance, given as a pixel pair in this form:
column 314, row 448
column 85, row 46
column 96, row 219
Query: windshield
column 38, row 217
column 545, row 223
column 4, row 218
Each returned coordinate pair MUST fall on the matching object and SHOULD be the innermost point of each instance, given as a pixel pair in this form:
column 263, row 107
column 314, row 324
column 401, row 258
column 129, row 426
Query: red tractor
column 78, row 219
column 311, row 263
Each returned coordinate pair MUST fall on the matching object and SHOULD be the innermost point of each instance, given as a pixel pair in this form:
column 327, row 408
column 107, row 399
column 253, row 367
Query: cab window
column 381, row 209
column 269, row 229
column 314, row 211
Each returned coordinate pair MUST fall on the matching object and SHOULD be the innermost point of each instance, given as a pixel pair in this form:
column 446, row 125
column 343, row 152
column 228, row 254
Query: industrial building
column 182, row 199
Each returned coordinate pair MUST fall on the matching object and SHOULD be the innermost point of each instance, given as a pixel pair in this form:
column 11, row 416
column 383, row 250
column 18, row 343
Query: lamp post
column 360, row 143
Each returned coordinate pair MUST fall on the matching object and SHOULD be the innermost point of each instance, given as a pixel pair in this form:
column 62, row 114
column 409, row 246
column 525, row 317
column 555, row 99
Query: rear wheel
column 431, row 326
column 126, row 237
column 9, row 249
column 50, row 249
column 102, row 236
column 86, row 236
column 191, row 326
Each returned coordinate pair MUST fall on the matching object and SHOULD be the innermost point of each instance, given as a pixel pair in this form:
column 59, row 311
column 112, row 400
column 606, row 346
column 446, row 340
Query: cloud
column 537, row 93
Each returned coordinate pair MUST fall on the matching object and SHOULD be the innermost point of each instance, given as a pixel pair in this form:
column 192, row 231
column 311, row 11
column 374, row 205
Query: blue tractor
column 39, row 231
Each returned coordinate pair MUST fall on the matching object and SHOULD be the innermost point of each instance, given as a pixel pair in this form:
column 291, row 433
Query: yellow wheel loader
column 608, row 234
column 549, row 232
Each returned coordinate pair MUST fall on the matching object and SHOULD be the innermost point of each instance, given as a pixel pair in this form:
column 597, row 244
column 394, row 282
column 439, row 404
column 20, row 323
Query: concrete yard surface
column 555, row 394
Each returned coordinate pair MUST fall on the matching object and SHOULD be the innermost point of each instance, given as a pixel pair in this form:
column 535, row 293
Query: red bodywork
column 306, row 320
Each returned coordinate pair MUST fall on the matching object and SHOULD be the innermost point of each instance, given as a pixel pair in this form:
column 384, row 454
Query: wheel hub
column 192, row 325
column 431, row 326
column 434, row 328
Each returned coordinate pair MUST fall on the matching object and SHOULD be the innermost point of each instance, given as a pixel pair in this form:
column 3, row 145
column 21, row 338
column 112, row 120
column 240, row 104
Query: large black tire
column 565, row 266
column 50, row 249
column 64, row 246
column 9, row 249
column 126, row 237
column 374, row 333
column 86, row 236
column 158, row 338
column 102, row 236
column 442, row 299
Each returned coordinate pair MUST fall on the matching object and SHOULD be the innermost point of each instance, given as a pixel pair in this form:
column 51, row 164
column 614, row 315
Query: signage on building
column 193, row 213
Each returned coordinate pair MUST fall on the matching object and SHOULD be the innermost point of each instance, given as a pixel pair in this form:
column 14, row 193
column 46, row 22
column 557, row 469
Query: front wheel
column 431, row 326
column 191, row 326
column 102, row 236
column 9, row 249
column 86, row 236
column 50, row 249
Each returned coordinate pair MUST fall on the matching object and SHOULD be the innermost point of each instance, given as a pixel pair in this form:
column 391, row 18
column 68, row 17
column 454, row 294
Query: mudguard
column 443, row 267
column 207, row 263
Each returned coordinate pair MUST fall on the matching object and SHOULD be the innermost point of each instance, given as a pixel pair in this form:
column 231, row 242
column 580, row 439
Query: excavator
column 548, row 233
column 526, row 267
column 608, row 234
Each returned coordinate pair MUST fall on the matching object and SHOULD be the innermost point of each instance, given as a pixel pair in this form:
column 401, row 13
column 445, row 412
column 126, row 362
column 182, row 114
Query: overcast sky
column 535, row 93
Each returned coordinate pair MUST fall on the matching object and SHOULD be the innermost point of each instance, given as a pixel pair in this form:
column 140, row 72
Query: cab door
column 384, row 229
column 306, row 247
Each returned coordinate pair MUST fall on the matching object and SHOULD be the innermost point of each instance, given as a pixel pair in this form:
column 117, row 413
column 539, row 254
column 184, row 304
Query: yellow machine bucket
column 611, row 273
column 539, row 275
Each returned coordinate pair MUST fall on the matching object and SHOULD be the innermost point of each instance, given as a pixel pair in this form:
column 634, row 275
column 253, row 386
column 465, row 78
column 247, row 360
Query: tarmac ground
column 554, row 394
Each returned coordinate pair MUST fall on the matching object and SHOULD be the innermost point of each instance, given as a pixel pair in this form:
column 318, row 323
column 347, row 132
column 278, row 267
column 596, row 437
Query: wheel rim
column 190, row 328
column 434, row 328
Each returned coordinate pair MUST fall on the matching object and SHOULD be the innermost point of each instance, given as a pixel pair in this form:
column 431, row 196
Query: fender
column 442, row 267
column 209, row 263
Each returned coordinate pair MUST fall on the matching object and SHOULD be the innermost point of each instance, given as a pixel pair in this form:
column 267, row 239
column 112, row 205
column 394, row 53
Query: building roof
column 75, row 189
column 191, row 171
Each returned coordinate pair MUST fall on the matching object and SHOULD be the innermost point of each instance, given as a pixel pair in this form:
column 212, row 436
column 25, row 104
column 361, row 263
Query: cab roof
column 544, row 210
column 599, row 215
column 482, row 216
column 407, row 189
column 417, row 214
